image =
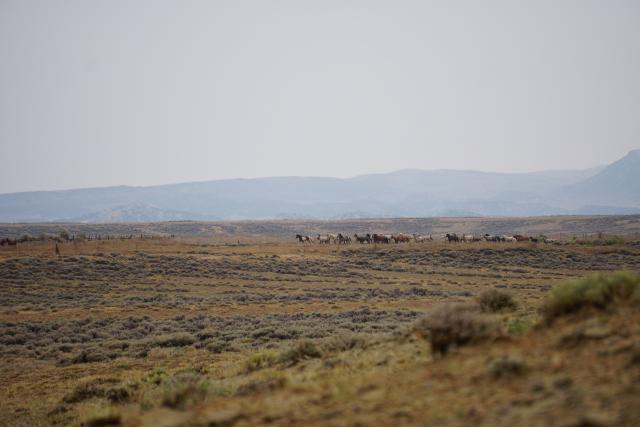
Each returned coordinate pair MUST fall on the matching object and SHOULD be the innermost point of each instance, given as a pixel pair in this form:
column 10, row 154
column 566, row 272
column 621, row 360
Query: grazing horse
column 324, row 239
column 452, row 237
column 303, row 239
column 362, row 239
column 521, row 238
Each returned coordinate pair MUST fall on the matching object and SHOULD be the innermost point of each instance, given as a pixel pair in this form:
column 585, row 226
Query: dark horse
column 452, row 237
column 379, row 238
column 362, row 239
column 343, row 239
column 8, row 242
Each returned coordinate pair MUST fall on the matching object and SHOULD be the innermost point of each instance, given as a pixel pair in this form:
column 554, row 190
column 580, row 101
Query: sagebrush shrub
column 343, row 342
column 185, row 389
column 179, row 339
column 260, row 359
column 494, row 300
column 300, row 351
column 454, row 325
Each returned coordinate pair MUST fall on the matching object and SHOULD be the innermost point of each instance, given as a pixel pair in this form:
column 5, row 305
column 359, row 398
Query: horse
column 452, row 237
column 509, row 239
column 490, row 238
column 466, row 238
column 362, row 239
column 343, row 239
column 421, row 239
column 324, row 239
column 303, row 239
column 533, row 239
column 401, row 238
column 333, row 237
column 380, row 238
column 521, row 238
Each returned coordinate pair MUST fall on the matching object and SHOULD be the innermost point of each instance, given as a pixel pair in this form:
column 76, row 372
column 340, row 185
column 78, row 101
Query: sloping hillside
column 618, row 184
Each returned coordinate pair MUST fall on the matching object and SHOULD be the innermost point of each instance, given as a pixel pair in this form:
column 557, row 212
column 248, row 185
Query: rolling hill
column 613, row 189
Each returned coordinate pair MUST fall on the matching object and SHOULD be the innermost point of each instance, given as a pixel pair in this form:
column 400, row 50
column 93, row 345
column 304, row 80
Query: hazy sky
column 96, row 93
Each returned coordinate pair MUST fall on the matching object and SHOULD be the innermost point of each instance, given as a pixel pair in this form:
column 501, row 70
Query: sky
column 100, row 93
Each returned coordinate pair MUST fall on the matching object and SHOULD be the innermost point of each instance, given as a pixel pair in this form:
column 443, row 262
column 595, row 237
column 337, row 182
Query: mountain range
column 611, row 189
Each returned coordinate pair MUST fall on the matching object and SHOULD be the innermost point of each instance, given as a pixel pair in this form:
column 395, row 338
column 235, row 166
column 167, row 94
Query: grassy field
column 207, row 331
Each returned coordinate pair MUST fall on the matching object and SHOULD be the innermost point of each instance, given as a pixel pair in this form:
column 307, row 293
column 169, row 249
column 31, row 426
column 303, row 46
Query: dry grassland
column 202, row 331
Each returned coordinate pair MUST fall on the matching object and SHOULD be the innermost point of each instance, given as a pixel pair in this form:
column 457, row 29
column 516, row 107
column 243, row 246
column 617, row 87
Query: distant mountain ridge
column 613, row 189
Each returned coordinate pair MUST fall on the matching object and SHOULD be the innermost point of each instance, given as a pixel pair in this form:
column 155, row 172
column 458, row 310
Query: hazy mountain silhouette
column 604, row 190
column 616, row 185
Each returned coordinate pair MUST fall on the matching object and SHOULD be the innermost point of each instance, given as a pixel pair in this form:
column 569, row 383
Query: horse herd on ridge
column 343, row 239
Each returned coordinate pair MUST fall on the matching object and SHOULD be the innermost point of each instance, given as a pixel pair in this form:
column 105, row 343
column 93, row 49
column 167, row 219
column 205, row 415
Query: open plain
column 247, row 328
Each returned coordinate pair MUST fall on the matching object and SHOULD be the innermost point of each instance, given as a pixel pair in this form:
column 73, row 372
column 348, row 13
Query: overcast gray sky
column 96, row 93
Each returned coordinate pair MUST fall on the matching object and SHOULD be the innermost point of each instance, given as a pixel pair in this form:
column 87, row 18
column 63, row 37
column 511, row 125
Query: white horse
column 509, row 239
column 418, row 238
column 324, row 239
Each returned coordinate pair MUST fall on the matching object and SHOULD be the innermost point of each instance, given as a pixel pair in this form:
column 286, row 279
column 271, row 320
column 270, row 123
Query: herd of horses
column 366, row 238
column 343, row 239
column 453, row 237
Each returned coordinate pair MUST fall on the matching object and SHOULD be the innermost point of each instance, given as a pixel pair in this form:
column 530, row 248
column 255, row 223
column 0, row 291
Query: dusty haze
column 151, row 92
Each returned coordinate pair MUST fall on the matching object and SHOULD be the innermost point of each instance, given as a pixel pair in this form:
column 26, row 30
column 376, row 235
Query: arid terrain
column 237, row 324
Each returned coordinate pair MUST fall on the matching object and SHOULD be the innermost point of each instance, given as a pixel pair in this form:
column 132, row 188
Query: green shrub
column 179, row 339
column 185, row 389
column 599, row 291
column 300, row 351
column 454, row 325
column 493, row 300
column 260, row 359
column 343, row 342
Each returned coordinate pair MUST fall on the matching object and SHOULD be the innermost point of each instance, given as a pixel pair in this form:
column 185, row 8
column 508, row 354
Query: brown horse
column 521, row 238
column 379, row 238
column 401, row 238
